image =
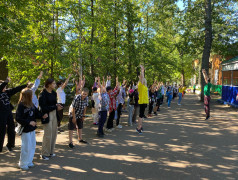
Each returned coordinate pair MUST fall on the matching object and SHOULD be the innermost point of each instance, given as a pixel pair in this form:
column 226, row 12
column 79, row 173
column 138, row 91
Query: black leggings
column 6, row 119
column 142, row 110
column 151, row 107
column 119, row 108
column 110, row 120
column 60, row 115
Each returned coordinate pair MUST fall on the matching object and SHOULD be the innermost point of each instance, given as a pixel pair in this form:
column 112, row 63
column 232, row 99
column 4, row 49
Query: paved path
column 176, row 144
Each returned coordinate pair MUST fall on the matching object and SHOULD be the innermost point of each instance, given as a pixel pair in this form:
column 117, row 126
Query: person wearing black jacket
column 48, row 105
column 26, row 115
column 6, row 117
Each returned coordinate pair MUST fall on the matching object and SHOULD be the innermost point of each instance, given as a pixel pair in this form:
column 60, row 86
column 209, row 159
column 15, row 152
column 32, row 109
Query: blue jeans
column 131, row 112
column 169, row 100
column 180, row 98
column 101, row 122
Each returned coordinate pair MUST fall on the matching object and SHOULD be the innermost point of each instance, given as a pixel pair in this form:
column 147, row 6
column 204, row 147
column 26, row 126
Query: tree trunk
column 208, row 43
column 183, row 77
column 130, row 40
column 92, row 38
column 115, row 45
column 3, row 70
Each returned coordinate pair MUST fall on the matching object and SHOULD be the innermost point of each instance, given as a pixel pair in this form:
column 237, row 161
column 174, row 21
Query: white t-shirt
column 61, row 96
column 96, row 100
column 162, row 90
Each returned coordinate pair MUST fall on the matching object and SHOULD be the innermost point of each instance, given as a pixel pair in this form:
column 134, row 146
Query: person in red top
column 112, row 105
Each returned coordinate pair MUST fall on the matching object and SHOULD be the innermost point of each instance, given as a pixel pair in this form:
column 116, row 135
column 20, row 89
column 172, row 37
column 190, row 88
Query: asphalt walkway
column 176, row 144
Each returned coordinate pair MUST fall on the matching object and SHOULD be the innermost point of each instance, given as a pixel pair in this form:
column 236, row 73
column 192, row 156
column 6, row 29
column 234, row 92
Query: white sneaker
column 46, row 158
column 109, row 130
column 119, row 126
column 52, row 155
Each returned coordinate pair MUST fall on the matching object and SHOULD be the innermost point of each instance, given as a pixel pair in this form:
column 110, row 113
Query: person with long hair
column 6, row 118
column 143, row 99
column 26, row 115
column 61, row 99
column 48, row 105
column 169, row 94
column 103, row 107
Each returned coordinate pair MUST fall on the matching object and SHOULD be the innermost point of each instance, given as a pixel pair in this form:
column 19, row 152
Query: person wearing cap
column 6, row 117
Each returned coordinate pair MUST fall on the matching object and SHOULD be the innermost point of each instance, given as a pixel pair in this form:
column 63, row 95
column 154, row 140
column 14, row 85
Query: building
column 230, row 81
column 215, row 70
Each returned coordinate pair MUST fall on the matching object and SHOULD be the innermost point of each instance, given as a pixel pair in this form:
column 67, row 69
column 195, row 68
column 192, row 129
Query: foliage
column 116, row 36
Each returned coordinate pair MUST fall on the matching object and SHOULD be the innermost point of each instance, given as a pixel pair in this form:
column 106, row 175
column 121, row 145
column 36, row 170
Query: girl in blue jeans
column 169, row 94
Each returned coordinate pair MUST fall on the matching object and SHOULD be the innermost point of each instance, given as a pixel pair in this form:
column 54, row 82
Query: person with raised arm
column 61, row 99
column 152, row 97
column 112, row 105
column 108, row 83
column 34, row 87
column 207, row 91
column 95, row 101
column 120, row 100
column 79, row 85
column 72, row 126
column 103, row 107
column 48, row 105
column 143, row 99
column 6, row 117
column 79, row 105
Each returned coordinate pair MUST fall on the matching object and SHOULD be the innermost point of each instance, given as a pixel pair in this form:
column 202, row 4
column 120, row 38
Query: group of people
column 107, row 103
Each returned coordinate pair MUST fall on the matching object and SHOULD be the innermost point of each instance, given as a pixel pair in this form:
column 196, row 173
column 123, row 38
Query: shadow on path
column 176, row 144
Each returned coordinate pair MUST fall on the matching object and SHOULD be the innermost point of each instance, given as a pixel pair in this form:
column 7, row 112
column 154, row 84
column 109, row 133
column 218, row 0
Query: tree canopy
column 112, row 37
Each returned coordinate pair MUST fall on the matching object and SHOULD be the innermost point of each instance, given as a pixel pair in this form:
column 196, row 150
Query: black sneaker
column 142, row 129
column 155, row 113
column 207, row 118
column 139, row 131
column 83, row 141
column 9, row 149
column 71, row 145
column 100, row 135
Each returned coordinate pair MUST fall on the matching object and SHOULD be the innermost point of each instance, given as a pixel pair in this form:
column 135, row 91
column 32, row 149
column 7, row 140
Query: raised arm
column 108, row 83
column 37, row 82
column 4, row 84
column 205, row 75
column 142, row 76
column 15, row 90
column 66, row 82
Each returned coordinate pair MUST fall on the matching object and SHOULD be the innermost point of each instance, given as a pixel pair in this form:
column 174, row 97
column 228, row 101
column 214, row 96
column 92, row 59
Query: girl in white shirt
column 61, row 99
